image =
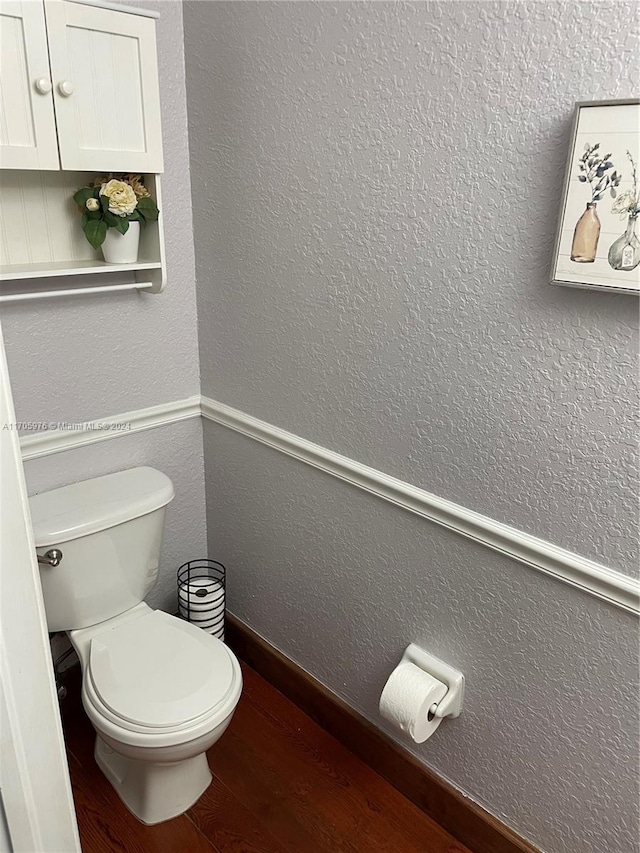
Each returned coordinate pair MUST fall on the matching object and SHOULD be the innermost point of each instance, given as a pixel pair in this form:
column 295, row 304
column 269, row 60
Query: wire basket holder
column 201, row 595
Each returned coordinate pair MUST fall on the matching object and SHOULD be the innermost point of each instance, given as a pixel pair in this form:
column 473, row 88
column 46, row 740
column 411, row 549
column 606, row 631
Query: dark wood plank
column 393, row 822
column 231, row 827
column 321, row 788
column 474, row 827
column 284, row 810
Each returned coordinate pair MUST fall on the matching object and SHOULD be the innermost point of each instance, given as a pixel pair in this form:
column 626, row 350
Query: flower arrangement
column 113, row 202
column 628, row 202
column 597, row 171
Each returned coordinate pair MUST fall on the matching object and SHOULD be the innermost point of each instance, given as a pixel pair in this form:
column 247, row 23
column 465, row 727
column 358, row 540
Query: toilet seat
column 159, row 678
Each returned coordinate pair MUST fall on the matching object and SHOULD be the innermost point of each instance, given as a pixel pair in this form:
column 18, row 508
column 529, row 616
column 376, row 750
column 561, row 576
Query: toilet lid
column 159, row 671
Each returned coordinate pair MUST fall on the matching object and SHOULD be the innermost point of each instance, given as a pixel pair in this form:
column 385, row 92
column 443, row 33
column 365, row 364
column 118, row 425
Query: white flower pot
column 122, row 248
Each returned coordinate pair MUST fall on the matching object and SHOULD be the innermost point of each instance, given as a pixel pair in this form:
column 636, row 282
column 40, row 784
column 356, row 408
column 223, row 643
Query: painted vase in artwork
column 586, row 236
column 624, row 253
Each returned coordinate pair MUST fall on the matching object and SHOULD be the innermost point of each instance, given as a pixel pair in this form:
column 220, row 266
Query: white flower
column 122, row 199
column 625, row 202
column 92, row 204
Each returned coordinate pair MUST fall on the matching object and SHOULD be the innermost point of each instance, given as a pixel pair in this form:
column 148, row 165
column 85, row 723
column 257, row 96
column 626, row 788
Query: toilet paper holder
column 451, row 704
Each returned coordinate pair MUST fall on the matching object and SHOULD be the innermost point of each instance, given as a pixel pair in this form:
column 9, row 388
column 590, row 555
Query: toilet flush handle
column 52, row 557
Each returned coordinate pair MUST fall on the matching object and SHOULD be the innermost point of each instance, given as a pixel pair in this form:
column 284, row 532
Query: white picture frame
column 598, row 240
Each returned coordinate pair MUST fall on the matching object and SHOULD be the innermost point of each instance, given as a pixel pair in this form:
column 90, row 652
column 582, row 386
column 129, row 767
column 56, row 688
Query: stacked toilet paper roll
column 409, row 700
column 202, row 601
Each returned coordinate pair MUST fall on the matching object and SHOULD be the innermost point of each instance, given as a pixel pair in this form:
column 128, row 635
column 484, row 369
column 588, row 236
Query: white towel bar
column 45, row 294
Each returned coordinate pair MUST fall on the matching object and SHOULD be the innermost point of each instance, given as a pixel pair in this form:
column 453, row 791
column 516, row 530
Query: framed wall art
column 598, row 242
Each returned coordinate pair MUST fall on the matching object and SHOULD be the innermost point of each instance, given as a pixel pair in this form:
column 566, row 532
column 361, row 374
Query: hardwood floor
column 281, row 785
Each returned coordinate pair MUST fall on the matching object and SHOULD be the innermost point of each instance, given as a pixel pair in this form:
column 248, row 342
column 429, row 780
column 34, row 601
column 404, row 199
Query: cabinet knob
column 65, row 88
column 43, row 85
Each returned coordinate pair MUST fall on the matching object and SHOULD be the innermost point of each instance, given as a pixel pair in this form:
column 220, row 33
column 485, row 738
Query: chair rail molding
column 61, row 437
column 594, row 578
column 589, row 576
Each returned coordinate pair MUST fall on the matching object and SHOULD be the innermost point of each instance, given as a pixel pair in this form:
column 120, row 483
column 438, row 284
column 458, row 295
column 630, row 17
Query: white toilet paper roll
column 407, row 699
column 202, row 604
column 201, row 591
column 202, row 620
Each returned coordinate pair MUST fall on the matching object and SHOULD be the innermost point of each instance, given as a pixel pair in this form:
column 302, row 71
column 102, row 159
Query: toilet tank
column 109, row 530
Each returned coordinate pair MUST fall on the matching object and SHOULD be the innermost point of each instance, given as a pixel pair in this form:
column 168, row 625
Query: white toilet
column 158, row 690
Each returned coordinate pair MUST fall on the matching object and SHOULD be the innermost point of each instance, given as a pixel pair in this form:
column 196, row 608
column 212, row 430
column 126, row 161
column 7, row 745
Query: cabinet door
column 27, row 124
column 105, row 88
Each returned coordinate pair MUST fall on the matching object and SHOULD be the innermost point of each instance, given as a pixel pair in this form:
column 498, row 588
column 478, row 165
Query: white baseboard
column 587, row 575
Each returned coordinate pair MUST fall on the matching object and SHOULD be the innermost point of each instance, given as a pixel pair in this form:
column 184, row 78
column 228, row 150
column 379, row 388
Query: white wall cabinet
column 99, row 89
column 27, row 124
column 106, row 95
column 79, row 98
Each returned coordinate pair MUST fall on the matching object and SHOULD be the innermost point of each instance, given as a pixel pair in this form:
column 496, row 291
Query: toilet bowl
column 158, row 691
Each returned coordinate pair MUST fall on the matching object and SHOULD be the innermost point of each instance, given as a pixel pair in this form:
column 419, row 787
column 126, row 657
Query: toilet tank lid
column 93, row 505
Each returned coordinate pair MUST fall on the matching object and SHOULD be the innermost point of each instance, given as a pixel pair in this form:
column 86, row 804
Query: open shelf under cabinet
column 41, row 238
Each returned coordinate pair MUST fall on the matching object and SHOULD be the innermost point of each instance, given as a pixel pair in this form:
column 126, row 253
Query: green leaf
column 95, row 231
column 96, row 191
column 82, row 195
column 104, row 202
column 111, row 219
column 147, row 207
column 123, row 224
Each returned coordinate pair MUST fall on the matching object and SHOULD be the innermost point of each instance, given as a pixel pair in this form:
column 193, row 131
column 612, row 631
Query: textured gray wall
column 84, row 358
column 341, row 582
column 380, row 187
